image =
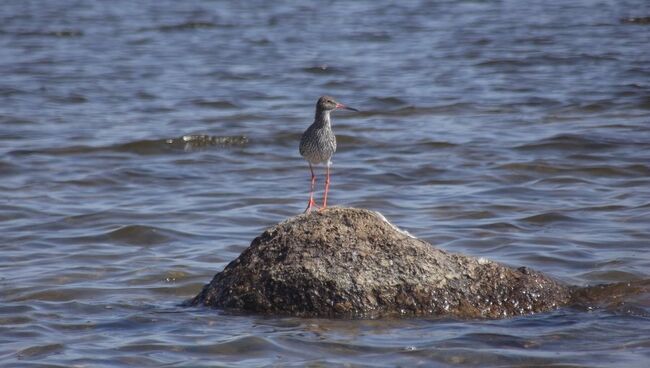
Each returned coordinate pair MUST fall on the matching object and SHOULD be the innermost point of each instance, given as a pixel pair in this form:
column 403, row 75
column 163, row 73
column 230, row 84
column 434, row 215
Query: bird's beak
column 342, row 106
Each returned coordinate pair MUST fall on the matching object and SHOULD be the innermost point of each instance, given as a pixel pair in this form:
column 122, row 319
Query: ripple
column 139, row 235
column 426, row 145
column 69, row 99
column 501, row 226
column 563, row 180
column 596, row 171
column 458, row 107
column 569, row 142
column 636, row 20
column 370, row 36
column 8, row 168
column 185, row 26
column 321, row 69
column 249, row 345
column 503, row 62
column 40, row 351
column 547, row 218
column 215, row 104
column 8, row 119
column 389, row 100
column 62, row 33
column 145, row 147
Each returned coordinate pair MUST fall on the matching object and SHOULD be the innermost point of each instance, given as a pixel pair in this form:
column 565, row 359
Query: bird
column 318, row 144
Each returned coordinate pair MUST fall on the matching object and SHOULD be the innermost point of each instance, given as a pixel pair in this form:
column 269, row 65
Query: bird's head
column 327, row 103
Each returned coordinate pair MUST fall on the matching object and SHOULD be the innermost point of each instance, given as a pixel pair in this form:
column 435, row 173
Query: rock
column 352, row 263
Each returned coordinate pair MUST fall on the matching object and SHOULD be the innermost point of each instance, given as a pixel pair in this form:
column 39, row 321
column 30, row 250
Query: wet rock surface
column 352, row 263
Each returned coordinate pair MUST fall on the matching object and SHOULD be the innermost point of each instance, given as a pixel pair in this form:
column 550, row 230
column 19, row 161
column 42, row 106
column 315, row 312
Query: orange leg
column 311, row 203
column 327, row 186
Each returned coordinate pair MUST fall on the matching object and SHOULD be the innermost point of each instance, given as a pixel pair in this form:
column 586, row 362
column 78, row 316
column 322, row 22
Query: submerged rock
column 352, row 263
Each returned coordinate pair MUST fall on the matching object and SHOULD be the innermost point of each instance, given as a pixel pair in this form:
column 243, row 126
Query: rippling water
column 144, row 144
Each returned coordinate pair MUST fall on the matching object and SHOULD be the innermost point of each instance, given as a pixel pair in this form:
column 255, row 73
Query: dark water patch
column 56, row 294
column 147, row 96
column 256, row 346
column 351, row 140
column 570, row 60
column 62, row 33
column 611, row 276
column 17, row 120
column 643, row 102
column 536, row 40
column 336, row 84
column 633, row 183
column 155, row 109
column 493, row 340
column 376, row 36
column 7, row 168
column 140, row 41
column 69, row 99
column 427, row 146
column 238, row 76
column 185, row 26
column 145, row 147
column 388, row 101
column 587, row 107
column 570, row 142
column 501, row 226
column 169, row 277
column 612, row 295
column 14, row 320
column 131, row 234
column 260, row 41
column 235, row 118
column 7, row 91
column 139, row 235
column 215, row 104
column 499, row 63
column 512, row 190
column 547, row 218
column 541, row 167
column 537, row 102
column 561, row 180
column 459, row 107
column 636, row 20
column 605, row 208
column 40, row 351
column 322, row 69
column 473, row 215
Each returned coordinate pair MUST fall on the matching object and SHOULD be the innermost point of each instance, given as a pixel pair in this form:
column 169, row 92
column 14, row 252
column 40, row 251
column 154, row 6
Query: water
column 510, row 130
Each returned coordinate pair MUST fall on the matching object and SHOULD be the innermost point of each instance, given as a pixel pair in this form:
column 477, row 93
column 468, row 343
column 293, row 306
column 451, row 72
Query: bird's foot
column 312, row 204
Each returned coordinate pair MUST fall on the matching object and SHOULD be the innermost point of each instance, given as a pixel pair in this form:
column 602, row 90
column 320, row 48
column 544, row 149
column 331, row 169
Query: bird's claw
column 311, row 205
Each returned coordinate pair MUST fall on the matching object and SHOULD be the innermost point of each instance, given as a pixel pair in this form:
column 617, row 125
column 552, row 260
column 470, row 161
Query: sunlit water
column 503, row 129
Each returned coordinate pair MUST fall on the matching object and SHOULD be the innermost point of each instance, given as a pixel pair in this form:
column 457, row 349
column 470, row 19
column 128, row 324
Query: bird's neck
column 322, row 118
